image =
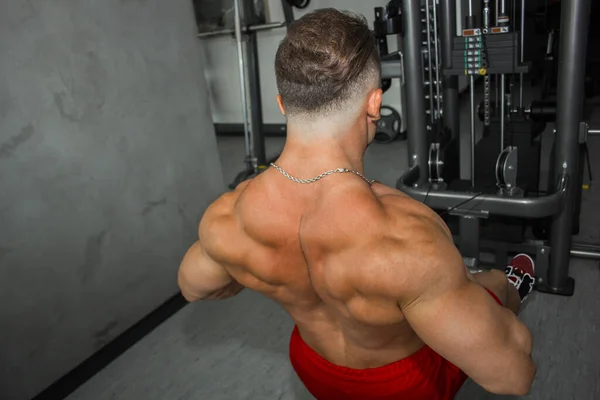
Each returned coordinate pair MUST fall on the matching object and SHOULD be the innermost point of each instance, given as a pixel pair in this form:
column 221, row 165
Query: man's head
column 328, row 69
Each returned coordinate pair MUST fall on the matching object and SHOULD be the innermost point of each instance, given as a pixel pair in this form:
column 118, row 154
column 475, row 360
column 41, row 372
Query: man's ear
column 374, row 105
column 280, row 104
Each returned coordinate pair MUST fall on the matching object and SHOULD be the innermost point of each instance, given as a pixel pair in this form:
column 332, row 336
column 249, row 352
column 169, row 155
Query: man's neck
column 311, row 153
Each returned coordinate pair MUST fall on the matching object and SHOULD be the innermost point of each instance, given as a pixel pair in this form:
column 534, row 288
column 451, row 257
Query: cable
column 448, row 211
column 427, row 194
column 589, row 164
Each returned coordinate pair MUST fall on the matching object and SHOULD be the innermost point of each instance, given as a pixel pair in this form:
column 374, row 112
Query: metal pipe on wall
column 575, row 18
column 256, row 114
column 242, row 77
column 415, row 106
column 522, row 52
column 450, row 83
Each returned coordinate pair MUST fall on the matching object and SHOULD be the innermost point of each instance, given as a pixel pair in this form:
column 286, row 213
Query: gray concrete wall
column 107, row 160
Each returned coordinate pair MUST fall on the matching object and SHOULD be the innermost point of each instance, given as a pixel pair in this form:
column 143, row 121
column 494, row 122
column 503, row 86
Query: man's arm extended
column 458, row 319
column 202, row 278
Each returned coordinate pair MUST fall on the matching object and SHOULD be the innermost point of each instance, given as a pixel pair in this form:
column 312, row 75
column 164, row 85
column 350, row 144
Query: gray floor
column 237, row 349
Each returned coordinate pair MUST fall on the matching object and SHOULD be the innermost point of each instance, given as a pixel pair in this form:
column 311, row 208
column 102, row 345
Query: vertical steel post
column 450, row 83
column 256, row 117
column 470, row 25
column 415, row 97
column 242, row 77
column 574, row 24
column 522, row 52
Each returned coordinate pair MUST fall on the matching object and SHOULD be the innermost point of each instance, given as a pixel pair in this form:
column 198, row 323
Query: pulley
column 506, row 168
column 436, row 163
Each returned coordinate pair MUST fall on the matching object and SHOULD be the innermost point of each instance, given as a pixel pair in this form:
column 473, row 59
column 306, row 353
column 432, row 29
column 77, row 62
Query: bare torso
column 292, row 243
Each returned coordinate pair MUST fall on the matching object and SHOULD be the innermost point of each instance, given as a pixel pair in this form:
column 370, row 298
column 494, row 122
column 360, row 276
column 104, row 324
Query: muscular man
column 383, row 304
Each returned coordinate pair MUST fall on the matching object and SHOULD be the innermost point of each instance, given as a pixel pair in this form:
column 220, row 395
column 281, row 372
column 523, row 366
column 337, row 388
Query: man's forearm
column 192, row 295
column 226, row 292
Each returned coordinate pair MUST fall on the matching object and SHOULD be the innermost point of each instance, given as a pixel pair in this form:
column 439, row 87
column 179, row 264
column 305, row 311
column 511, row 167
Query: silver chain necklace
column 321, row 176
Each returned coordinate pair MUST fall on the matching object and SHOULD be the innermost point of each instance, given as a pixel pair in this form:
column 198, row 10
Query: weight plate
column 388, row 126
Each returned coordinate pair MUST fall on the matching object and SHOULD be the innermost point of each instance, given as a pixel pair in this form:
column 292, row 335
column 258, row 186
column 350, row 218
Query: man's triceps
column 466, row 326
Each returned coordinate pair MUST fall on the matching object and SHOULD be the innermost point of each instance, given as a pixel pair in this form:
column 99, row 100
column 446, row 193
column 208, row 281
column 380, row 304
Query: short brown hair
column 325, row 57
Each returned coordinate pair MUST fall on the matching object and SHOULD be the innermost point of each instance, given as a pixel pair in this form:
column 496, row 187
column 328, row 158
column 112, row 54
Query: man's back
column 383, row 304
column 297, row 244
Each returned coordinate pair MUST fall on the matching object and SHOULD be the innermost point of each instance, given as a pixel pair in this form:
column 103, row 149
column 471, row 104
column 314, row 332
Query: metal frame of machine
column 433, row 57
column 246, row 28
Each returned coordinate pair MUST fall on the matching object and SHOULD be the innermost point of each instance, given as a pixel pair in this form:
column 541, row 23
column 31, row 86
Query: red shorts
column 424, row 375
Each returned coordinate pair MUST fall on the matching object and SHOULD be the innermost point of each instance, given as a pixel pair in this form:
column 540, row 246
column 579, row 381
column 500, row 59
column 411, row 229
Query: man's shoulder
column 219, row 225
column 405, row 214
column 407, row 244
column 225, row 204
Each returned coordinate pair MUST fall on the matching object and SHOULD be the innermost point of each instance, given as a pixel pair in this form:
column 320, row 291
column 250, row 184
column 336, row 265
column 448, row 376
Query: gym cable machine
column 489, row 209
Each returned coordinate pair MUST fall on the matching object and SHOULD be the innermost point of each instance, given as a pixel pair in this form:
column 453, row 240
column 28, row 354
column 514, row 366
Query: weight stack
column 430, row 76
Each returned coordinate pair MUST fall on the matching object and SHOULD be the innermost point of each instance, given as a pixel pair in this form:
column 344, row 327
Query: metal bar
column 486, row 13
column 288, row 11
column 472, row 108
column 470, row 232
column 437, row 60
column 496, row 80
column 528, row 207
column 579, row 250
column 502, row 110
column 450, row 83
column 242, row 76
column 486, row 78
column 393, row 67
column 593, row 132
column 550, row 44
column 585, row 250
column 245, row 29
column 415, row 106
column 591, row 255
column 575, row 18
column 522, row 52
column 497, row 12
column 582, row 246
column 429, row 61
column 256, row 114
